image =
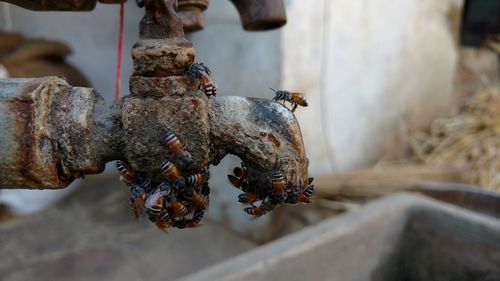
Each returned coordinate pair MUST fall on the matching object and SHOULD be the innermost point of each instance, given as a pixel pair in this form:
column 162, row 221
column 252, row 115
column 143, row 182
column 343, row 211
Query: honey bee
column 164, row 221
column 170, row 170
column 197, row 217
column 239, row 177
column 205, row 189
column 278, row 186
column 173, row 174
column 175, row 146
column 127, row 175
column 155, row 203
column 263, row 209
column 197, row 179
column 178, row 209
column 248, row 198
column 294, row 98
column 137, row 198
column 199, row 201
column 305, row 195
column 201, row 72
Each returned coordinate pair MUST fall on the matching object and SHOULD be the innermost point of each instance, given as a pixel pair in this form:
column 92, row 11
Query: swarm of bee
column 280, row 192
column 169, row 203
column 181, row 199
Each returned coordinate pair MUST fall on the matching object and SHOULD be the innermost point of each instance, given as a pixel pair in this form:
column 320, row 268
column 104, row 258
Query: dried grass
column 470, row 139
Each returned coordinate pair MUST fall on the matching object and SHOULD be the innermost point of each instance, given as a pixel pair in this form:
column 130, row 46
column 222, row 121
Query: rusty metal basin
column 398, row 237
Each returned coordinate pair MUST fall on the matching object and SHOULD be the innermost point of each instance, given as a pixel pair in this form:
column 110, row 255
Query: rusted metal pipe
column 259, row 15
column 50, row 141
column 60, row 5
column 53, row 133
column 262, row 133
column 191, row 13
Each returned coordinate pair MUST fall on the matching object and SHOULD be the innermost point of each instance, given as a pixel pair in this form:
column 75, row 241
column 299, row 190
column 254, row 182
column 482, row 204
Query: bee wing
column 234, row 181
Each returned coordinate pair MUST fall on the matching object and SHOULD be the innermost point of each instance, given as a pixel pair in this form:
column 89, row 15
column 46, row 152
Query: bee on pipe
column 127, row 175
column 294, row 98
column 164, row 220
column 239, row 177
column 247, row 198
column 173, row 174
column 199, row 201
column 263, row 209
column 175, row 147
column 201, row 72
column 303, row 196
column 138, row 197
column 197, row 179
column 155, row 203
column 278, row 184
column 196, row 219
column 177, row 208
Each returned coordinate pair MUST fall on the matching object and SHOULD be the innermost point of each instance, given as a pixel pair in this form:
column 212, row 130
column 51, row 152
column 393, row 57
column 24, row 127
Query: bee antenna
column 273, row 90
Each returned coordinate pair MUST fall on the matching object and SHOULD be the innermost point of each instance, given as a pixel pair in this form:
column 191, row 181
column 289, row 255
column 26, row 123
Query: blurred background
column 395, row 91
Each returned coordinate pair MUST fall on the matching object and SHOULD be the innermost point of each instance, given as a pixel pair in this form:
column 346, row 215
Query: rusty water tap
column 54, row 133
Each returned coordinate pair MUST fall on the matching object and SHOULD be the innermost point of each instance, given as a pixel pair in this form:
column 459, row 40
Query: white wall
column 365, row 66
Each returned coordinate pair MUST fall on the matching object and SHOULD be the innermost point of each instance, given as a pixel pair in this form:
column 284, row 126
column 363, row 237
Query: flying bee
column 248, row 198
column 175, row 146
column 127, row 175
column 197, row 179
column 294, row 98
column 204, row 75
column 178, row 209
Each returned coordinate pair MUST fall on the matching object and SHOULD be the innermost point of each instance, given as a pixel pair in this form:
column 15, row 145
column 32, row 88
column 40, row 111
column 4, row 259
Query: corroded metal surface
column 264, row 134
column 53, row 133
column 261, row 14
column 191, row 13
column 60, row 5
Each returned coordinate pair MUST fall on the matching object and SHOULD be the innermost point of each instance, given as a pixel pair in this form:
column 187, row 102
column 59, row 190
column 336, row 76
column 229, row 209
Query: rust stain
column 273, row 140
column 195, row 103
column 23, row 108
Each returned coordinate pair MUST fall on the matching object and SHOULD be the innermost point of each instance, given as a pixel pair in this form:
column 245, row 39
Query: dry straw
column 470, row 139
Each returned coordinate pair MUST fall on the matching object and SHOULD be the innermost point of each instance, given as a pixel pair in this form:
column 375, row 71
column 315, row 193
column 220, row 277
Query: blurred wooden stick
column 376, row 182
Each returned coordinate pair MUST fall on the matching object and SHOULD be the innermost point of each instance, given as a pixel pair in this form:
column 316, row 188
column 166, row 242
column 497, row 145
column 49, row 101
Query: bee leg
column 294, row 107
